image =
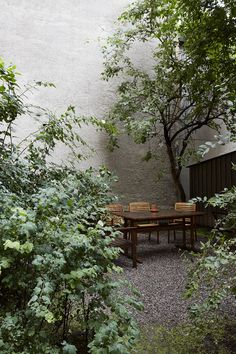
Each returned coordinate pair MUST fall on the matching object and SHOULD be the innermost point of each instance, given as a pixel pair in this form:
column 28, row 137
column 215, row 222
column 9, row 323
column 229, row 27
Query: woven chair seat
column 183, row 206
column 146, row 225
column 143, row 206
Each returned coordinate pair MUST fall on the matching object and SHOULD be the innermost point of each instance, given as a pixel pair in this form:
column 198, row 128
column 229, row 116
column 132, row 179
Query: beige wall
column 58, row 41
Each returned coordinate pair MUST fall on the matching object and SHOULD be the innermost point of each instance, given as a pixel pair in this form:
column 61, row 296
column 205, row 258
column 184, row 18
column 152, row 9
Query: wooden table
column 163, row 217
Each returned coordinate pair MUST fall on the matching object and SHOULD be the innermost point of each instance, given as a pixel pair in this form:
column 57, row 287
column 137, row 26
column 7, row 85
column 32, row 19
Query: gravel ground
column 161, row 279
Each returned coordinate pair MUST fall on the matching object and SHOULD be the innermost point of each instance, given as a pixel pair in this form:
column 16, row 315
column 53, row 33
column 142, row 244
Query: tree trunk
column 175, row 172
column 179, row 187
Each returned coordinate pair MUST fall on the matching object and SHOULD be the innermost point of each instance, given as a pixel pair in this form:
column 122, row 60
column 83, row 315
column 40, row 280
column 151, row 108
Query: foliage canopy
column 187, row 86
column 57, row 292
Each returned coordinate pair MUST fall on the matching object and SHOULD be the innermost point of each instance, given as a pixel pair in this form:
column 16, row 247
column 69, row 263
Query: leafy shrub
column 56, row 288
column 210, row 338
column 214, row 269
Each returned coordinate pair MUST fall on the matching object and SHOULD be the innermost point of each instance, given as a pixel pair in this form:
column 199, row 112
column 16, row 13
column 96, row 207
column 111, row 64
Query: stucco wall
column 58, row 41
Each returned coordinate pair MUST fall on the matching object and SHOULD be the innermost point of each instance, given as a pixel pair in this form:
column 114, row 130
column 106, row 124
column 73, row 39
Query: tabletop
column 159, row 215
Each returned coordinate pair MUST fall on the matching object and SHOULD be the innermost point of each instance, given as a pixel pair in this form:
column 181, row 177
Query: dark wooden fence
column 210, row 177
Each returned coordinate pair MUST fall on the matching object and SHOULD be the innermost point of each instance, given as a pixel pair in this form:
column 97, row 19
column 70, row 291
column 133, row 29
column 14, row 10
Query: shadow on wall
column 138, row 179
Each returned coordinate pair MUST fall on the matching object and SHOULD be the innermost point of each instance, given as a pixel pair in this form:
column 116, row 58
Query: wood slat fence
column 210, row 177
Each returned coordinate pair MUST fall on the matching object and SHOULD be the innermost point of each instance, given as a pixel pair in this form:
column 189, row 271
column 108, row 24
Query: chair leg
column 174, row 235
column 134, row 248
column 158, row 237
column 149, row 236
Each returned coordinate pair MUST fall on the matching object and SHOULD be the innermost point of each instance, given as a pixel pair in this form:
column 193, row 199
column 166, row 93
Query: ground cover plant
column 215, row 267
column 56, row 290
column 211, row 338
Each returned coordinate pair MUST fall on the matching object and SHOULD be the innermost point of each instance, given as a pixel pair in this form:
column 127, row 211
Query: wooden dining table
column 163, row 219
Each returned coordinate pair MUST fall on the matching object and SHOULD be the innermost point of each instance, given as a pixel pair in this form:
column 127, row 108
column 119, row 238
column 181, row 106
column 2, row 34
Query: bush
column 212, row 337
column 56, row 288
column 214, row 269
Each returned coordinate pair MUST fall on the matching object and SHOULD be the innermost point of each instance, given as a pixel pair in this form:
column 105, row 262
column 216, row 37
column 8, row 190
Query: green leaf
column 27, row 247
column 12, row 245
column 69, row 348
column 28, row 228
column 4, row 263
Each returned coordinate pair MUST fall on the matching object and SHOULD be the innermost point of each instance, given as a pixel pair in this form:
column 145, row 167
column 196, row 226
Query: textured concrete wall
column 58, row 41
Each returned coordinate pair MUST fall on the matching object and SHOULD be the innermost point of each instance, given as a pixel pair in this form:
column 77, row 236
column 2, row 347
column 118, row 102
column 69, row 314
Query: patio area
column 160, row 279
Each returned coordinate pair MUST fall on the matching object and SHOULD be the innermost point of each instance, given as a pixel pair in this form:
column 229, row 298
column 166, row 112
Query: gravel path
column 161, row 280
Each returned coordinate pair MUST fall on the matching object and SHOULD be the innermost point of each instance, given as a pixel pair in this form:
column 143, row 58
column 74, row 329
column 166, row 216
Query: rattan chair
column 139, row 206
column 122, row 242
column 115, row 219
column 184, row 206
column 143, row 206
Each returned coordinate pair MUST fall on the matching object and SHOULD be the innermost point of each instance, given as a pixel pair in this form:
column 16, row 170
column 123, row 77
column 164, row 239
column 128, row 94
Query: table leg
column 125, row 225
column 135, row 236
column 184, row 233
column 192, row 236
column 192, row 232
column 134, row 247
column 125, row 236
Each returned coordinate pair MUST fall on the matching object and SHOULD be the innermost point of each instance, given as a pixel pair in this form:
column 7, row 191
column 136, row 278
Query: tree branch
column 205, row 121
column 180, row 114
column 185, row 140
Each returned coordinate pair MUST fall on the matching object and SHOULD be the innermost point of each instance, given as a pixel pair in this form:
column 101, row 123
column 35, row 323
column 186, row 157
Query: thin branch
column 28, row 136
column 28, row 88
column 11, row 142
column 184, row 110
column 185, row 140
column 206, row 120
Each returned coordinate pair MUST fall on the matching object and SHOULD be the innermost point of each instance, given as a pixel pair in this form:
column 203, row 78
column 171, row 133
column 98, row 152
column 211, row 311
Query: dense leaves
column 183, row 88
column 57, row 291
column 214, row 270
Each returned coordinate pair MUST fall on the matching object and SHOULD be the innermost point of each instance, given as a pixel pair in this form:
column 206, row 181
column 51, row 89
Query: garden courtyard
column 118, row 177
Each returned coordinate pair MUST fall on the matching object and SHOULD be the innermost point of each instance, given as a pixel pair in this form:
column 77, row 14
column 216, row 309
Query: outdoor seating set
column 142, row 217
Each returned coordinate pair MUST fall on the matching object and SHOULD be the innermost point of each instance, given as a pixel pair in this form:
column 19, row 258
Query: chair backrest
column 139, row 206
column 185, row 206
column 115, row 207
column 114, row 219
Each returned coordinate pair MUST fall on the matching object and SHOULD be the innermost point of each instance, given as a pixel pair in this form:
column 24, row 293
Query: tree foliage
column 182, row 90
column 57, row 291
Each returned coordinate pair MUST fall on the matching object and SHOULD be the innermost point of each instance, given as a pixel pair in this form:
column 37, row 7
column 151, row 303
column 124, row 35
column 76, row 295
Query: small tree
column 176, row 97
